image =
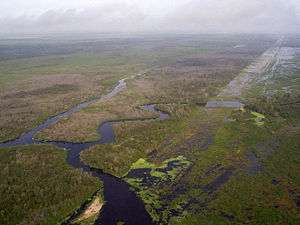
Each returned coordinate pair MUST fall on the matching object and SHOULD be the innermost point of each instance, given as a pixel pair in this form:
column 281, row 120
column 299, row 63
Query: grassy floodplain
column 244, row 163
column 63, row 81
column 239, row 166
column 186, row 69
column 265, row 186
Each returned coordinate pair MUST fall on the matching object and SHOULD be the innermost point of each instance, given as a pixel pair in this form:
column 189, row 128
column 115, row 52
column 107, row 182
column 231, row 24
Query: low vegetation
column 201, row 166
column 38, row 187
column 146, row 179
column 243, row 162
column 127, row 105
column 264, row 187
column 177, row 74
column 261, row 150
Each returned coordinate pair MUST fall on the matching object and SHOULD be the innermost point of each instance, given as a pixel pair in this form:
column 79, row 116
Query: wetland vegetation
column 38, row 187
column 202, row 165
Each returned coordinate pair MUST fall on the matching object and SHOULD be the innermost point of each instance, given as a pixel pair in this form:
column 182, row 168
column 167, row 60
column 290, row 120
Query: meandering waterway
column 121, row 203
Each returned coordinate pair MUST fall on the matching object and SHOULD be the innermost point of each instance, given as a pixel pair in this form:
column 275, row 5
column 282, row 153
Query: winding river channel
column 121, row 204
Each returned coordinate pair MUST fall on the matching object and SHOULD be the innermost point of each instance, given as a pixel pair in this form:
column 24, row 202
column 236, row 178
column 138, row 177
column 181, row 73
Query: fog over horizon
column 149, row 16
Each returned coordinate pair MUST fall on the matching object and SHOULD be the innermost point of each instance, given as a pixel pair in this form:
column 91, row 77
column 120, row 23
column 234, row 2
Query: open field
column 277, row 90
column 242, row 185
column 62, row 83
column 258, row 183
column 120, row 107
column 176, row 74
column 237, row 157
column 200, row 166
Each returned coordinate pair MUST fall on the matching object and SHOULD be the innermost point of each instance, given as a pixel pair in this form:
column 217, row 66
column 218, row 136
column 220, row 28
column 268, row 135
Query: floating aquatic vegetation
column 259, row 118
column 143, row 173
column 145, row 176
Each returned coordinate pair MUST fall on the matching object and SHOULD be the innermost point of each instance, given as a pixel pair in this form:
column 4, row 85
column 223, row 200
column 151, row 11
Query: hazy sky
column 193, row 16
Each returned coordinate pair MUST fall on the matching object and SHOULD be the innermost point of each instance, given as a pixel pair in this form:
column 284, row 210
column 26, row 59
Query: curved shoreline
column 28, row 137
column 122, row 204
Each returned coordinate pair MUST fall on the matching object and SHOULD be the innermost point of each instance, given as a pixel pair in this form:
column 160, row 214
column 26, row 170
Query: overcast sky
column 144, row 16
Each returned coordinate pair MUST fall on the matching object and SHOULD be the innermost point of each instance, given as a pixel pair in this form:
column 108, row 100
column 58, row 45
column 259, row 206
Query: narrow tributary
column 121, row 203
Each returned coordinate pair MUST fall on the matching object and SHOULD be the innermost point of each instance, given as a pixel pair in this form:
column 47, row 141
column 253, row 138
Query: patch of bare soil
column 93, row 209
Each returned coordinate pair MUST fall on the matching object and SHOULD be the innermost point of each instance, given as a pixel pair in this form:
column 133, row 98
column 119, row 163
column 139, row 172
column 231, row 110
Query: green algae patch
column 258, row 115
column 148, row 179
column 167, row 171
column 259, row 118
column 155, row 173
column 142, row 163
column 134, row 182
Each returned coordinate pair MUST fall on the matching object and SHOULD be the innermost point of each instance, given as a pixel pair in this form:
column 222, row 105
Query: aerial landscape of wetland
column 149, row 128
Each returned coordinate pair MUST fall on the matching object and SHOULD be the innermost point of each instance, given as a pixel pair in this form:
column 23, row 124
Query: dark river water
column 121, row 204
